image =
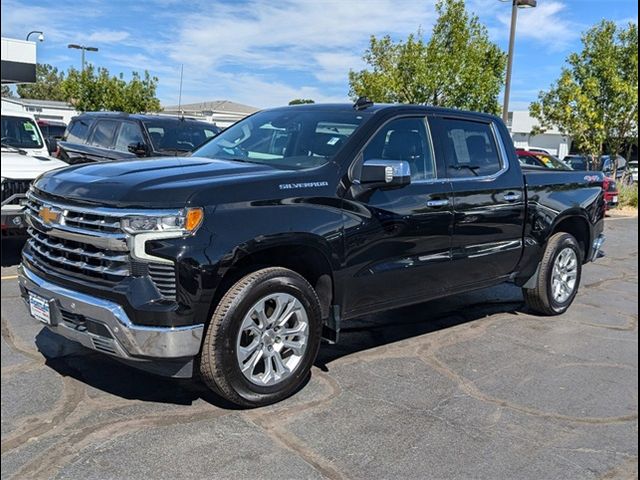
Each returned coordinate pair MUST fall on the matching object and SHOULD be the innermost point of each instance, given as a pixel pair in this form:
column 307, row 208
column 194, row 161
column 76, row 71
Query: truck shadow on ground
column 102, row 374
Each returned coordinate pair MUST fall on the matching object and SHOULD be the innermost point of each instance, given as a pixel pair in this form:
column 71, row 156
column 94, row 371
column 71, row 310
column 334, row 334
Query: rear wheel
column 559, row 276
column 263, row 338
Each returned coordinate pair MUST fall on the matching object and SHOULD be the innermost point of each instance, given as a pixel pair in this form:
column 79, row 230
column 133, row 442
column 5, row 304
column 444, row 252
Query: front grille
column 87, row 243
column 76, row 241
column 14, row 187
column 78, row 257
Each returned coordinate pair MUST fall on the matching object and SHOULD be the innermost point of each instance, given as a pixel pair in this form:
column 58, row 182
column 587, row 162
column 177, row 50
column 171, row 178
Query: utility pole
column 512, row 40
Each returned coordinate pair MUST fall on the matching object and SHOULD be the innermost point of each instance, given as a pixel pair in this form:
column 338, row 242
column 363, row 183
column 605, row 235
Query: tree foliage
column 301, row 101
column 595, row 100
column 6, row 91
column 458, row 67
column 94, row 89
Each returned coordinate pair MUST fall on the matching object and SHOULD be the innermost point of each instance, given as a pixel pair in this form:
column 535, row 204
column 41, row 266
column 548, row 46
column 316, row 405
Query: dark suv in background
column 103, row 136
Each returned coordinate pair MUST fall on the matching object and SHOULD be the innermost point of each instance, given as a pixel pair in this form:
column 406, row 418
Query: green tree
column 458, row 67
column 301, row 101
column 94, row 89
column 48, row 84
column 595, row 100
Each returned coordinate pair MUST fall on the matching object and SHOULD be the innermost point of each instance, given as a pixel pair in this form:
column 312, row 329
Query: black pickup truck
column 235, row 262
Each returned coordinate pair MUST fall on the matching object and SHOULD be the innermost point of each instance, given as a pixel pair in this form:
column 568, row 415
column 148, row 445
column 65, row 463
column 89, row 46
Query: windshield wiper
column 474, row 169
column 15, row 149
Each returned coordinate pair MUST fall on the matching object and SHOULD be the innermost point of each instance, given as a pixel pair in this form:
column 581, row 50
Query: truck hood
column 154, row 182
column 26, row 167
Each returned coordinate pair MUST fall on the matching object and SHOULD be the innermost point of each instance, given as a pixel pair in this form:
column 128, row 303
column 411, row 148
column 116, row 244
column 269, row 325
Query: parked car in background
column 536, row 159
column 52, row 131
column 611, row 193
column 606, row 165
column 233, row 263
column 18, row 171
column 538, row 150
column 579, row 162
column 20, row 130
column 105, row 136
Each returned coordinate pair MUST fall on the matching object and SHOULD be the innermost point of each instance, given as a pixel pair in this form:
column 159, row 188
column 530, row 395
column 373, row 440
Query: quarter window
column 469, row 149
column 404, row 139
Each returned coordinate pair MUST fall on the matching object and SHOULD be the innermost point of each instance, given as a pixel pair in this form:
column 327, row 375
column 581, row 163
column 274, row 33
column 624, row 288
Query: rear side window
column 103, row 133
column 78, row 131
column 470, row 148
column 129, row 134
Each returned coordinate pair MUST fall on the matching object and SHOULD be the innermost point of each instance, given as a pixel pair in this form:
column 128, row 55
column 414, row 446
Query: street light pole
column 512, row 40
column 83, row 48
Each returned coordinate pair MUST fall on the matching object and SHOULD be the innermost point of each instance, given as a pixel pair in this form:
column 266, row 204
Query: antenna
column 180, row 94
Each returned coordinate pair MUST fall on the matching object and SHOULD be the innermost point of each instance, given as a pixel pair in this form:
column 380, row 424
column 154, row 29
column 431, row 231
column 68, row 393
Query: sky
column 265, row 53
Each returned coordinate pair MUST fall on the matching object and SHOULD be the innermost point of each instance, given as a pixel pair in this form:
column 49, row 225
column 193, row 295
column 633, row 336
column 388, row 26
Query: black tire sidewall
column 226, row 351
column 567, row 241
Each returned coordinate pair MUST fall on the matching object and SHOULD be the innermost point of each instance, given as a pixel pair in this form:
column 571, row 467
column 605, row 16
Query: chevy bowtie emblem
column 48, row 216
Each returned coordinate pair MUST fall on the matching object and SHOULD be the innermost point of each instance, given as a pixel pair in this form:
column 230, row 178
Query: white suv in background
column 20, row 130
column 19, row 169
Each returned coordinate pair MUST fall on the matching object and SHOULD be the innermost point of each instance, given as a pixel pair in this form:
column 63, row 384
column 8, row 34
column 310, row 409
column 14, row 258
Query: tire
column 242, row 318
column 544, row 299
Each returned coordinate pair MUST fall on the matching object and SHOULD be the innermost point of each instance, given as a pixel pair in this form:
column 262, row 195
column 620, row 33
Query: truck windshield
column 291, row 138
column 177, row 135
column 20, row 132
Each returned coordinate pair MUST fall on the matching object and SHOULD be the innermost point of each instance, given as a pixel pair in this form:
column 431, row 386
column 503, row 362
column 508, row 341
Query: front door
column 398, row 241
column 489, row 200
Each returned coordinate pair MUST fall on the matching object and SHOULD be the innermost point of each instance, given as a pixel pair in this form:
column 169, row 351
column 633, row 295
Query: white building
column 221, row 112
column 521, row 124
column 18, row 61
column 40, row 109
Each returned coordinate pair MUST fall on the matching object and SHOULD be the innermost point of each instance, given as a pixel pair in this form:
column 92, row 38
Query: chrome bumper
column 105, row 327
column 596, row 250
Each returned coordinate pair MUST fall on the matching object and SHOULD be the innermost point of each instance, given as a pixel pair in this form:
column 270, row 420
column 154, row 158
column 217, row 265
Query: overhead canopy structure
column 18, row 61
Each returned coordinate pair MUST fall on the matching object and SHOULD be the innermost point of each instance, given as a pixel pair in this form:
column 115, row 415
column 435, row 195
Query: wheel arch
column 308, row 255
column 577, row 225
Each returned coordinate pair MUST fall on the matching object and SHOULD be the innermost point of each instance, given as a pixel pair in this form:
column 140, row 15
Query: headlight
column 187, row 221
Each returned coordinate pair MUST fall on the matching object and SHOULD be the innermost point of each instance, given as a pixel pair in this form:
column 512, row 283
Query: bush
column 629, row 195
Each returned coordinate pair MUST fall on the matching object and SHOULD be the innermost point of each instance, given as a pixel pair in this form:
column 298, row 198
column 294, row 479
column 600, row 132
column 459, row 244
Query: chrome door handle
column 438, row 203
column 512, row 197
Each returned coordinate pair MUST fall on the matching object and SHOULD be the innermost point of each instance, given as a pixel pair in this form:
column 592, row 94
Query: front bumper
column 104, row 326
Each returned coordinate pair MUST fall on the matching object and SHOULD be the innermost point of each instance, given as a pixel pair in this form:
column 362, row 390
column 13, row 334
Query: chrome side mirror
column 379, row 173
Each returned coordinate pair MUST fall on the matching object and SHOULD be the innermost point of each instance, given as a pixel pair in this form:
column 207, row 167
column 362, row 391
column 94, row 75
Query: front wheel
column 559, row 276
column 263, row 338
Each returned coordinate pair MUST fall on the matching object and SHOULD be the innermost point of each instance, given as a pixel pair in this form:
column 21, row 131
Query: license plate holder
column 40, row 308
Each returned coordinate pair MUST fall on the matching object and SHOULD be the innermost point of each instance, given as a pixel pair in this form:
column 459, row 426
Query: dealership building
column 521, row 124
column 220, row 112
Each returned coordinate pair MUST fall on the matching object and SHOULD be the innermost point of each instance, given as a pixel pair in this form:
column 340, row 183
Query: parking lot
column 470, row 387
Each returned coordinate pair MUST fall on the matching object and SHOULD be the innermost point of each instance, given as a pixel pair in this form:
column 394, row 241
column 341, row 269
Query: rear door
column 488, row 199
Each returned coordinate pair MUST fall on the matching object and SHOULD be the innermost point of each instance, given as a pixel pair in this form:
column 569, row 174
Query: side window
column 404, row 139
column 103, row 133
column 469, row 148
column 128, row 134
